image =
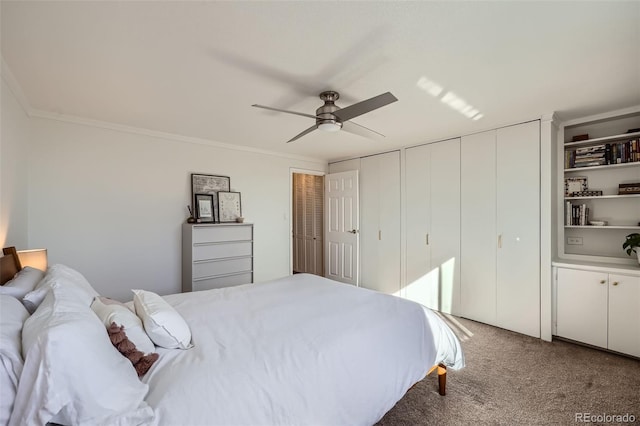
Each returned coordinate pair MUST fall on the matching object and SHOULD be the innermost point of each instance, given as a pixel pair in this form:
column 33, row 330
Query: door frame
column 293, row 170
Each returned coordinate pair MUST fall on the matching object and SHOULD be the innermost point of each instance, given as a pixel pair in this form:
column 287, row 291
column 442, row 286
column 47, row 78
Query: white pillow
column 12, row 317
column 110, row 311
column 23, row 282
column 63, row 275
column 72, row 373
column 163, row 324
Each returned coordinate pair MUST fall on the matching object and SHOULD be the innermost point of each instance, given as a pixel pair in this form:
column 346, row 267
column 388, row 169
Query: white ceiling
column 195, row 68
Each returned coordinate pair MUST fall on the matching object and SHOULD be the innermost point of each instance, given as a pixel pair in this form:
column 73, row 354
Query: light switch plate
column 574, row 241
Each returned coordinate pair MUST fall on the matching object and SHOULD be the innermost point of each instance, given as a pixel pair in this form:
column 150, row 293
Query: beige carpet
column 515, row 379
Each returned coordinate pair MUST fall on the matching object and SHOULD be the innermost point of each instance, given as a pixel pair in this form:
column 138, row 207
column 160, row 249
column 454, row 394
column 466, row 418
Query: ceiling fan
column 331, row 118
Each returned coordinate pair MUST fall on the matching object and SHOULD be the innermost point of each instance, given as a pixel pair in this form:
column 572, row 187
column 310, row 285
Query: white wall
column 111, row 203
column 14, row 144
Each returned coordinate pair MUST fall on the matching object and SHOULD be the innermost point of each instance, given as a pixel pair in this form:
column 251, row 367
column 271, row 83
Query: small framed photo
column 204, row 208
column 209, row 184
column 229, row 206
column 575, row 184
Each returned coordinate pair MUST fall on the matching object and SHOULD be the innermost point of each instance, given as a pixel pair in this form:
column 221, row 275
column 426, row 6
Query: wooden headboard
column 9, row 264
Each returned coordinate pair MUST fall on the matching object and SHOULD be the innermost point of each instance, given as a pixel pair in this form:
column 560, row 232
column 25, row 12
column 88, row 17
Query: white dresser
column 216, row 255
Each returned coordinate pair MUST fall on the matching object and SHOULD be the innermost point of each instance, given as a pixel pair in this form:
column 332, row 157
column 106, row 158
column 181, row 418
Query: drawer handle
column 602, row 281
column 616, row 283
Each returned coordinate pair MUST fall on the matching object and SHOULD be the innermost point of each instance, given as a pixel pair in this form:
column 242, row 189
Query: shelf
column 596, row 141
column 607, row 166
column 603, row 196
column 603, row 227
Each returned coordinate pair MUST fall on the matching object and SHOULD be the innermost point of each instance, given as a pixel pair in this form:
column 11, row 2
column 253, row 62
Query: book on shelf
column 576, row 215
column 603, row 154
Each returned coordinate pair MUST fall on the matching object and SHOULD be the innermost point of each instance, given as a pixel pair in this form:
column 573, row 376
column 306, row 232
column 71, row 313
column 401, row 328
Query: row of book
column 576, row 215
column 603, row 154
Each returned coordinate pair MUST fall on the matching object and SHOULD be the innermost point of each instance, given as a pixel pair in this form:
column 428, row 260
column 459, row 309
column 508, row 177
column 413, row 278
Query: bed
column 298, row 350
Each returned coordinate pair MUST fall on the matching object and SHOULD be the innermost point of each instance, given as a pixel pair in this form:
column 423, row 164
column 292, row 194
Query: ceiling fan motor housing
column 326, row 119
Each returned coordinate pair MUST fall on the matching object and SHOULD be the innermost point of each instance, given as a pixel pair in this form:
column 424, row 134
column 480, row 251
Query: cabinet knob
column 615, row 283
column 602, row 281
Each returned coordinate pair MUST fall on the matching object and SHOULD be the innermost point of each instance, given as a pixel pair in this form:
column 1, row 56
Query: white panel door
column 582, row 306
column 518, row 219
column 478, row 227
column 380, row 222
column 341, row 207
column 444, row 229
column 624, row 314
column 433, row 225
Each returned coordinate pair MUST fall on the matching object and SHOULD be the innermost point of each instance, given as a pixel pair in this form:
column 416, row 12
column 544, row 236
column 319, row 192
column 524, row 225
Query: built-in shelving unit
column 592, row 243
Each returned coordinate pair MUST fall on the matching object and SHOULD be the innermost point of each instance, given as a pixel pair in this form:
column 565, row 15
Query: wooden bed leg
column 442, row 379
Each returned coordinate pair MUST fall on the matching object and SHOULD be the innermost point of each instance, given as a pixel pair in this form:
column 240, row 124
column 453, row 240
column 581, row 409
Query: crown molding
column 163, row 135
column 552, row 117
column 603, row 116
column 16, row 89
column 14, row 86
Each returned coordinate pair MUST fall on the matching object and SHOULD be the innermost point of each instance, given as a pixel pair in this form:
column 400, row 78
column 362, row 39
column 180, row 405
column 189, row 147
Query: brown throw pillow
column 140, row 361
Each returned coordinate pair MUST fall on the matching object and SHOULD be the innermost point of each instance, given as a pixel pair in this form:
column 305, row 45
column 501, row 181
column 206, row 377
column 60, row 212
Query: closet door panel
column 444, row 229
column 389, row 236
column 478, row 227
column 421, row 284
column 518, row 214
column 369, row 221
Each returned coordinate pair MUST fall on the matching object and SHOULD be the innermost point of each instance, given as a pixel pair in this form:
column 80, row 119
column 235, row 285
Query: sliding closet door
column 380, row 222
column 478, row 227
column 518, row 208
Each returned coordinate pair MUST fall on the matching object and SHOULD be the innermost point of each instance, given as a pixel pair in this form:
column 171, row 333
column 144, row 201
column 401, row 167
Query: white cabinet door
column 478, row 227
column 380, row 222
column 624, row 314
column 433, row 225
column 518, row 221
column 582, row 306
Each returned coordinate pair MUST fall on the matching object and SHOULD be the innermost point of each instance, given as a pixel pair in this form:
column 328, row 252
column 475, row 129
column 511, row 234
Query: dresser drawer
column 220, row 251
column 221, row 267
column 219, row 282
column 222, row 233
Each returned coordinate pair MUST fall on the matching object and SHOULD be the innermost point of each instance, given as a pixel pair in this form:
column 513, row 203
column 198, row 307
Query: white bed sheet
column 296, row 351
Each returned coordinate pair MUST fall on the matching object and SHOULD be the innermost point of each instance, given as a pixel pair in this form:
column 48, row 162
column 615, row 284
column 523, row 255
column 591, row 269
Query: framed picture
column 574, row 184
column 229, row 206
column 209, row 184
column 204, row 208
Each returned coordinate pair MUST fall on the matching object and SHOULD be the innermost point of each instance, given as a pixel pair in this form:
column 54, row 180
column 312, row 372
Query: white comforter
column 302, row 350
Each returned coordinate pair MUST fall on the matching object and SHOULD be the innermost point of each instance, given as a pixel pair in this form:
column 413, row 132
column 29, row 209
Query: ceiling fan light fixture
column 330, row 126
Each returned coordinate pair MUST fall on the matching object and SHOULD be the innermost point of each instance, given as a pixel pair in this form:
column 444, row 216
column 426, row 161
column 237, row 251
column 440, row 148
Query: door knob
column 353, row 231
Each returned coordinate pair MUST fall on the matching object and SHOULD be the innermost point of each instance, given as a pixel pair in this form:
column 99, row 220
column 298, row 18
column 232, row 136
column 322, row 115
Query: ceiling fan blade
column 298, row 136
column 364, row 107
column 284, row 110
column 359, row 130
